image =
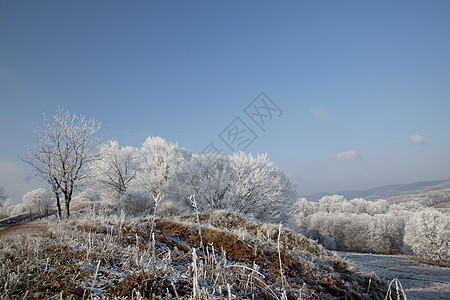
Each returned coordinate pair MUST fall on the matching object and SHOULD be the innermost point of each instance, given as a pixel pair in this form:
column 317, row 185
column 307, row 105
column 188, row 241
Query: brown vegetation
column 120, row 259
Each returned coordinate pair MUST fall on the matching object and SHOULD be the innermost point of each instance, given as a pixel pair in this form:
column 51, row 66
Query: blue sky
column 364, row 86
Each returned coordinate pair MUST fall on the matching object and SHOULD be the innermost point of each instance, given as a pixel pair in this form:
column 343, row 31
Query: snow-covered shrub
column 136, row 203
column 169, row 208
column 427, row 235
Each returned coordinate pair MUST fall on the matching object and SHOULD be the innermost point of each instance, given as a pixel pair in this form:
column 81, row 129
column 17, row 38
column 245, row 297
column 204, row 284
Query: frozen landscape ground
column 420, row 280
column 115, row 258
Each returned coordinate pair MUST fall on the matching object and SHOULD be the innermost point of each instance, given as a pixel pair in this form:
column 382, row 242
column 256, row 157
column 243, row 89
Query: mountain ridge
column 385, row 191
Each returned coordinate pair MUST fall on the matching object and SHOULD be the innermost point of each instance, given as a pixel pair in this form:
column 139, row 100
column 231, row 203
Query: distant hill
column 387, row 192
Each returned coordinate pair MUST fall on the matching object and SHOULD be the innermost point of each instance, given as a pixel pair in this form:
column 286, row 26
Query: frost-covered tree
column 336, row 204
column 38, row 201
column 370, row 207
column 361, row 204
column 208, row 177
column 240, row 183
column 160, row 160
column 115, row 168
column 378, row 207
column 384, row 234
column 29, row 204
column 3, row 199
column 3, row 196
column 329, row 229
column 427, row 235
column 425, row 198
column 259, row 188
column 302, row 210
column 7, row 208
column 63, row 147
column 410, row 206
column 5, row 203
column 18, row 209
column 358, row 232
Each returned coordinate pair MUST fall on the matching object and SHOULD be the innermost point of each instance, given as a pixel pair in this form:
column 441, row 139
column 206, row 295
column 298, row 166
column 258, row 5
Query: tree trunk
column 58, row 205
column 67, row 202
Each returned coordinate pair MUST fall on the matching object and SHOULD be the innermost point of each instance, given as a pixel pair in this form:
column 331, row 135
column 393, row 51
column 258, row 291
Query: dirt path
column 419, row 280
column 20, row 229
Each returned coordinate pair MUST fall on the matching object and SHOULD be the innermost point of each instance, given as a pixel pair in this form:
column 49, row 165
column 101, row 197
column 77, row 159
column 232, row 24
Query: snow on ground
column 419, row 280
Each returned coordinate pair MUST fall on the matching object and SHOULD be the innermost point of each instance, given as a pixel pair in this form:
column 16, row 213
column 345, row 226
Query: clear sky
column 362, row 87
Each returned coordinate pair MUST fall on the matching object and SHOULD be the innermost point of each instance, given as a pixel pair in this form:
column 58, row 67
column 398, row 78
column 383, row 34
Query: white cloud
column 320, row 112
column 346, row 155
column 418, row 139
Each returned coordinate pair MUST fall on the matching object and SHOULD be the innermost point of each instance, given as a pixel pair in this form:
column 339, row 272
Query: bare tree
column 62, row 148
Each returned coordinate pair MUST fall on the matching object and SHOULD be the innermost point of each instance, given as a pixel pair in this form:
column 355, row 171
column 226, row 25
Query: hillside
column 210, row 256
column 392, row 193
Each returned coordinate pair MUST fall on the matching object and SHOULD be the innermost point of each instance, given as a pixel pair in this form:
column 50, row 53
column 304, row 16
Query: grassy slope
column 222, row 256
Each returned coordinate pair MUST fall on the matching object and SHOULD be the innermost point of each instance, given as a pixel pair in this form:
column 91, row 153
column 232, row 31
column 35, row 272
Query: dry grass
column 116, row 258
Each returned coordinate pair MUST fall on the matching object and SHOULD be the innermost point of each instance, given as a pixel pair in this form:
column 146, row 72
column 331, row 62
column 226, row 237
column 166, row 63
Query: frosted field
column 419, row 280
